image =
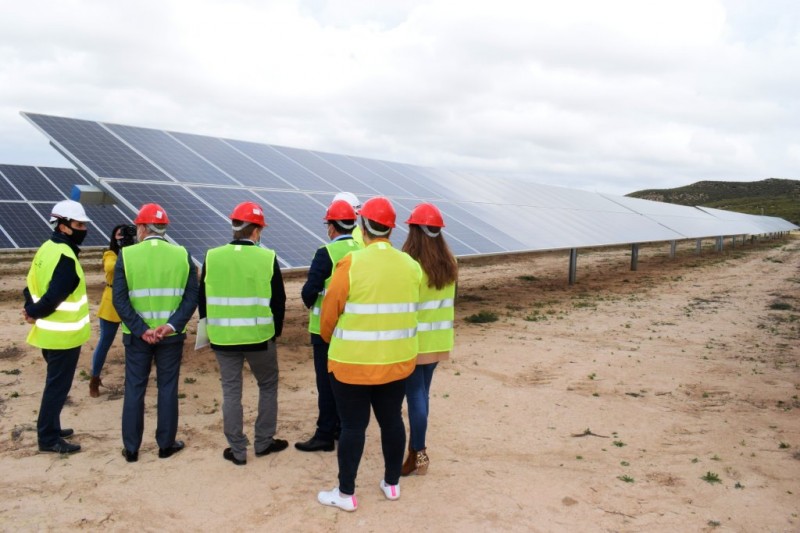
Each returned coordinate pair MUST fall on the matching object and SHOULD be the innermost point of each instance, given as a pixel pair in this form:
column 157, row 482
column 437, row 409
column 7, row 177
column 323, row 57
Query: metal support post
column 634, row 256
column 573, row 265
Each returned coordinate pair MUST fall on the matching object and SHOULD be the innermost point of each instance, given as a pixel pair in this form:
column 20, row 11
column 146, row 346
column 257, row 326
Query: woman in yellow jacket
column 107, row 315
column 435, row 313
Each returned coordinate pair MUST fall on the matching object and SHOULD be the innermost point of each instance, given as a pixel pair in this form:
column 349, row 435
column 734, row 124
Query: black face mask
column 77, row 237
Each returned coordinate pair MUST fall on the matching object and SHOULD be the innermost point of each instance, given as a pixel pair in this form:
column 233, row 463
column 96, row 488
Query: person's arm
column 63, row 283
column 278, row 301
column 201, row 293
column 318, row 272
column 122, row 301
column 181, row 316
column 335, row 298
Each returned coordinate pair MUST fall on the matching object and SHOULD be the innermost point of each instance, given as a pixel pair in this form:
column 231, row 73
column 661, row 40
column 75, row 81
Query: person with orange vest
column 369, row 317
column 155, row 294
column 56, row 305
column 242, row 300
column 340, row 218
column 435, row 315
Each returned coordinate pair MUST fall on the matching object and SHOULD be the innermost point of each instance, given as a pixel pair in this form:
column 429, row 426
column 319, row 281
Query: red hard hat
column 340, row 210
column 426, row 215
column 152, row 214
column 249, row 212
column 380, row 210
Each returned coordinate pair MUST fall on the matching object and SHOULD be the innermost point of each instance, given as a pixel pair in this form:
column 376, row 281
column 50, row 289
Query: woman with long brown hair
column 426, row 244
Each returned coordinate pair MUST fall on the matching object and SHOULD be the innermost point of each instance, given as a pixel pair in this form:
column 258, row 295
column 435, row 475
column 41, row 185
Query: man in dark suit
column 155, row 294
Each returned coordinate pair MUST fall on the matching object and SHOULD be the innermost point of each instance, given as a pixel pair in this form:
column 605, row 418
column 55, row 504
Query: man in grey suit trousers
column 155, row 293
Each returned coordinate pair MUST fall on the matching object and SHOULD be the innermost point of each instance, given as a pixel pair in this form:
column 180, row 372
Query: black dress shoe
column 66, row 433
column 130, row 456
column 61, row 446
column 163, row 453
column 315, row 445
column 228, row 455
column 275, row 446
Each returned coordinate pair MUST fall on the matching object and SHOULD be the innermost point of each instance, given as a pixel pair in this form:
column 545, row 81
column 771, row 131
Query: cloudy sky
column 610, row 96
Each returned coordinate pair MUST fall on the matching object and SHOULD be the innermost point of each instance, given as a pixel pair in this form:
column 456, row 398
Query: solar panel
column 7, row 189
column 98, row 151
column 230, row 161
column 193, row 223
column 21, row 223
column 170, row 156
column 199, row 179
column 31, row 183
column 25, row 216
column 5, row 239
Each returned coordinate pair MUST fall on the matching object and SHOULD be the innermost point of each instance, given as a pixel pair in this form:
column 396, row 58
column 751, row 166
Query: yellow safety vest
column 156, row 272
column 336, row 250
column 435, row 316
column 238, row 293
column 69, row 325
column 358, row 236
column 379, row 322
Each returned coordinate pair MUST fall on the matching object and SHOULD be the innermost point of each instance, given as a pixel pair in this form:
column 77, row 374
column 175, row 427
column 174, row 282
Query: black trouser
column 328, row 420
column 61, row 365
column 353, row 403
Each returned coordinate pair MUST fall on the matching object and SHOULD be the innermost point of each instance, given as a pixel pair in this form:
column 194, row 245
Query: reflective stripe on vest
column 156, row 272
column 238, row 287
column 436, row 314
column 62, row 326
column 336, row 251
column 69, row 325
column 379, row 322
column 145, row 293
column 434, row 326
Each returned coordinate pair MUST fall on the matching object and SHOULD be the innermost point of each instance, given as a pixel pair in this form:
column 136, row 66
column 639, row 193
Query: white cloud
column 611, row 96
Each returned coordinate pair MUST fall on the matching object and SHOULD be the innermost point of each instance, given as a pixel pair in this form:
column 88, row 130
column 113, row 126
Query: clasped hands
column 154, row 336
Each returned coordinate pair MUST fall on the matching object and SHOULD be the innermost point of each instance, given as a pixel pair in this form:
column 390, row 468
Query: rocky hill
column 773, row 196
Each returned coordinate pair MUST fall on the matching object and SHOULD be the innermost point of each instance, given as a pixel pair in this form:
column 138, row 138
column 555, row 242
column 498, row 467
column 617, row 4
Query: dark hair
column 433, row 255
column 337, row 225
column 377, row 227
column 245, row 232
column 113, row 245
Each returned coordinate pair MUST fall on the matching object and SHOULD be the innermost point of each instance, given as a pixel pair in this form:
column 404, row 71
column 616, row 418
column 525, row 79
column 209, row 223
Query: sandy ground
column 610, row 405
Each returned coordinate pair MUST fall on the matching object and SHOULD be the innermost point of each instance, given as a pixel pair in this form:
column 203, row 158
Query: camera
column 128, row 236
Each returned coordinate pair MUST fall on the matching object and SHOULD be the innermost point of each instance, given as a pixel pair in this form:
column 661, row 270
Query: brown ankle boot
column 94, row 386
column 422, row 462
column 411, row 463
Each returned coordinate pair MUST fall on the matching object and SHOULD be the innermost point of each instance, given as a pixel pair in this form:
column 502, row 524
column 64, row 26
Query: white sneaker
column 392, row 492
column 335, row 499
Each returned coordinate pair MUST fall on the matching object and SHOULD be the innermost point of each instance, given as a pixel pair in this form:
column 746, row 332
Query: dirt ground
column 664, row 399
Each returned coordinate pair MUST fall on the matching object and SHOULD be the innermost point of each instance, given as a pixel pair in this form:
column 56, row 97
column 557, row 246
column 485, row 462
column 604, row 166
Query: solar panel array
column 199, row 179
column 28, row 194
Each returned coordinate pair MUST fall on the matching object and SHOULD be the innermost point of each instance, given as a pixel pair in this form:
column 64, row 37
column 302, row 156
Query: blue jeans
column 61, row 366
column 418, row 389
column 108, row 330
column 353, row 403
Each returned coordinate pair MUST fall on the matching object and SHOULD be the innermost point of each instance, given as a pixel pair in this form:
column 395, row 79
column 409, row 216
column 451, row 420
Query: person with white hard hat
column 243, row 300
column 155, row 294
column 369, row 316
column 340, row 219
column 352, row 199
column 56, row 305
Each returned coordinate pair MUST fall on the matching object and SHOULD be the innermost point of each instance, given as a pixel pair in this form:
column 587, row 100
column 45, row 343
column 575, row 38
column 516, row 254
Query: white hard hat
column 69, row 209
column 348, row 197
